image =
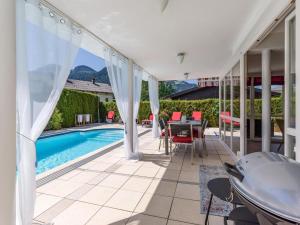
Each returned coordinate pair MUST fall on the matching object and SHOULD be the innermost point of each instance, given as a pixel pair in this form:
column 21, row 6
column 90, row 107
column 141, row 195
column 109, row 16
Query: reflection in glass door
column 290, row 86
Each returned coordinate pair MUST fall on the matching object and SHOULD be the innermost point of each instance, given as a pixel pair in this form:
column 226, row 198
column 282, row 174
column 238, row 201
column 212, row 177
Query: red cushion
column 197, row 116
column 110, row 115
column 236, row 124
column 227, row 114
column 177, row 139
column 151, row 117
column 176, row 116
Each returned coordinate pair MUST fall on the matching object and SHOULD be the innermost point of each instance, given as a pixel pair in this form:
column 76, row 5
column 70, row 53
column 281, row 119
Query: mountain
column 88, row 74
column 178, row 85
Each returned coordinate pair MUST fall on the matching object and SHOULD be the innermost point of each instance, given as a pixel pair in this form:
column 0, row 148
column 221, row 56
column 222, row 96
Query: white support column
column 220, row 105
column 130, row 104
column 266, row 100
column 231, row 109
column 8, row 112
column 243, row 74
column 297, row 81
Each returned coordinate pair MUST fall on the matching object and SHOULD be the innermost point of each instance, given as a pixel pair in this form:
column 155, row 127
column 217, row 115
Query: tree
column 145, row 91
column 164, row 89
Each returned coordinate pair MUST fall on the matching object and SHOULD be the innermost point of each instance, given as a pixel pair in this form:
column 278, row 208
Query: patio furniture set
column 182, row 131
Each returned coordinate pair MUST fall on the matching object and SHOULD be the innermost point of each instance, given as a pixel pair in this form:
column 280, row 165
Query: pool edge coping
column 74, row 165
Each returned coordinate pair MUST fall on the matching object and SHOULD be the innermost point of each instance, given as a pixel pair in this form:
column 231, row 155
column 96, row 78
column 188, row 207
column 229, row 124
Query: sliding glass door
column 290, row 86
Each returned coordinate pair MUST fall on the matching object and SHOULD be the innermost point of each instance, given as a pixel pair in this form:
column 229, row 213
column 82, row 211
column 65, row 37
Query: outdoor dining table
column 194, row 123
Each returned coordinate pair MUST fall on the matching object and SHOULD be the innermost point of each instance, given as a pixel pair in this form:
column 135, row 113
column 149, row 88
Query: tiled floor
column 112, row 190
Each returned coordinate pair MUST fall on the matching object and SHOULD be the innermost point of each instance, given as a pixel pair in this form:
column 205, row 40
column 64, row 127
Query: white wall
column 7, row 112
column 102, row 97
column 297, row 79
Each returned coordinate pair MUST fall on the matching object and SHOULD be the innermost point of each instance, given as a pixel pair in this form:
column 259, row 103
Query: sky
column 88, row 59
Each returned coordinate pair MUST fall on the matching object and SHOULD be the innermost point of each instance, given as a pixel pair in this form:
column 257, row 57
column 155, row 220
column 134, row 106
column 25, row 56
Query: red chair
column 181, row 134
column 197, row 116
column 176, row 116
column 110, row 116
column 148, row 122
column 228, row 121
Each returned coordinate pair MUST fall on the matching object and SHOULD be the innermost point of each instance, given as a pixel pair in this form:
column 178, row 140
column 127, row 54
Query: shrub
column 209, row 108
column 76, row 102
column 56, row 121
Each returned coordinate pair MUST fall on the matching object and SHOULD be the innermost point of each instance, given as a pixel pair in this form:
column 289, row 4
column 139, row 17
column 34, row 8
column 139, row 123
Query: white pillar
column 7, row 112
column 297, row 81
column 266, row 100
column 220, row 105
column 130, row 104
column 243, row 74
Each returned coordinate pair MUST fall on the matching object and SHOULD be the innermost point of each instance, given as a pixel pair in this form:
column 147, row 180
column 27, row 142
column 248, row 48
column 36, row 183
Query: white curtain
column 137, row 89
column 154, row 103
column 117, row 68
column 46, row 47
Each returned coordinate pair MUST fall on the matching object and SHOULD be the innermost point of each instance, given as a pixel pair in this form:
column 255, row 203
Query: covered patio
column 113, row 190
column 152, row 41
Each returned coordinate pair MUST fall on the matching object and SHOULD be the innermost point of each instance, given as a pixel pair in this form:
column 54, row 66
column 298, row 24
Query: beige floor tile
column 138, row 184
column 141, row 219
column 188, row 191
column 109, row 216
column 151, row 164
column 108, row 159
column 44, row 202
column 127, row 169
column 80, row 191
column 155, row 205
column 160, row 187
column 188, row 176
column 125, row 200
column 77, row 214
column 99, row 195
column 168, row 174
column 69, row 175
column 55, row 210
column 114, row 181
column 186, row 211
column 146, row 171
column 96, row 180
column 100, row 166
column 172, row 222
column 84, row 177
column 87, row 165
column 59, row 188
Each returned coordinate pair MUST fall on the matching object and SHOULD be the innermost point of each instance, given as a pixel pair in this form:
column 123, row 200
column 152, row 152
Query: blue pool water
column 58, row 149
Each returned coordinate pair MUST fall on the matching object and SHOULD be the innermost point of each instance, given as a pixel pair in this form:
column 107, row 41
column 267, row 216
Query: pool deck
column 116, row 191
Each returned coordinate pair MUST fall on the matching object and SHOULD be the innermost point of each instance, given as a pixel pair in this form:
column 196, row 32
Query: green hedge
column 209, row 107
column 76, row 102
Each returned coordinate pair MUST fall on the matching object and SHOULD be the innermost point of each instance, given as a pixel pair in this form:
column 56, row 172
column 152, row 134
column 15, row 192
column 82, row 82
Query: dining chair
column 197, row 116
column 162, row 127
column 181, row 134
column 176, row 116
column 110, row 116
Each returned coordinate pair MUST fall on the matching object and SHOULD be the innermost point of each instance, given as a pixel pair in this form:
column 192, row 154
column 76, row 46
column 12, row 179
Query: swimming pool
column 58, row 149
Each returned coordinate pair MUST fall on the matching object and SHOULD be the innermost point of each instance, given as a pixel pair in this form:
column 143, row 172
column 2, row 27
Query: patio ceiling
column 210, row 32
